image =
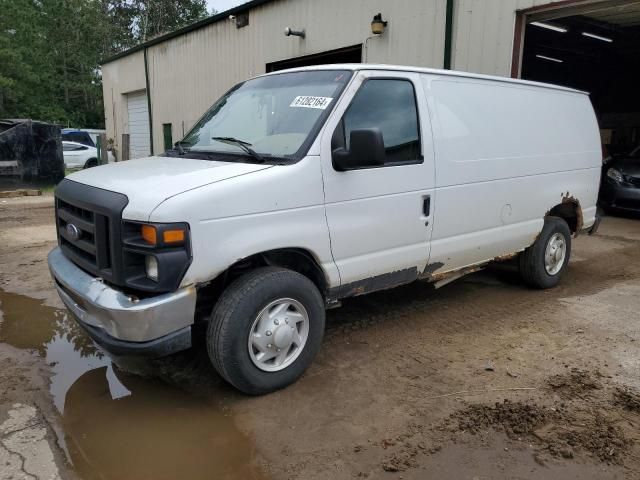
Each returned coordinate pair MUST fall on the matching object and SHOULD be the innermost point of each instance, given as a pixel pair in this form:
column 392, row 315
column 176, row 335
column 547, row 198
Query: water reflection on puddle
column 118, row 425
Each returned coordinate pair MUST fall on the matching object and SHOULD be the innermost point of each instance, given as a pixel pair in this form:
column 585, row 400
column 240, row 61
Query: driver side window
column 390, row 106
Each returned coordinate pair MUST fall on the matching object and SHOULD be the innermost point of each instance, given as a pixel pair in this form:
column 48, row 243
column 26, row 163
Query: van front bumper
column 119, row 323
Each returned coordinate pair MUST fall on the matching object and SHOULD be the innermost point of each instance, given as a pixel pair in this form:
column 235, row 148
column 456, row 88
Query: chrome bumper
column 116, row 320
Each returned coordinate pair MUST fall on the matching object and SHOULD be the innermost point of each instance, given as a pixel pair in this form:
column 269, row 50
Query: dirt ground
column 482, row 379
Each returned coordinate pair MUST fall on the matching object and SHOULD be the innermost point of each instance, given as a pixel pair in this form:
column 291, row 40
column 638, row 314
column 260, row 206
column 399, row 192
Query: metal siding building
column 186, row 71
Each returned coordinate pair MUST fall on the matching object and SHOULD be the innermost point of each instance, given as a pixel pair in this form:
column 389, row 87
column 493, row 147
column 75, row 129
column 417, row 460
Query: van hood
column 147, row 182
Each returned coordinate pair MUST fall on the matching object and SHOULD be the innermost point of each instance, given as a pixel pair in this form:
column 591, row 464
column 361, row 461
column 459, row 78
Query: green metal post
column 448, row 35
column 146, row 78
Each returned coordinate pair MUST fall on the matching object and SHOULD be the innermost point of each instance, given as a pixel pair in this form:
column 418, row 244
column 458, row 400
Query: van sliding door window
column 390, row 105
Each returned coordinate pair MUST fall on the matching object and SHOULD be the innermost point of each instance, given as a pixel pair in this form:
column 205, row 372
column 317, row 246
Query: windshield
column 276, row 116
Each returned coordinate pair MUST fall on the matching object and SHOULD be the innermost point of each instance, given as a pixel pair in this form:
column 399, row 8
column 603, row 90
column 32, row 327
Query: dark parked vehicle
column 620, row 188
column 31, row 150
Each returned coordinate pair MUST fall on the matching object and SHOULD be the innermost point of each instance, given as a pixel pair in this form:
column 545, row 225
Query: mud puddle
column 122, row 426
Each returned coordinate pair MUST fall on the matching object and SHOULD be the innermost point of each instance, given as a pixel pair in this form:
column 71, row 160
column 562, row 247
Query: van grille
column 84, row 234
column 89, row 223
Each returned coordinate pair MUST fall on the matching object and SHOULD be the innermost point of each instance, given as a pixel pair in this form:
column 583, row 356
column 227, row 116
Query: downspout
column 448, row 35
column 146, row 79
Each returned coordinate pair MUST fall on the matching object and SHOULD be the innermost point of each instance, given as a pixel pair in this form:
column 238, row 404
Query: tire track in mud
column 447, row 336
column 593, row 419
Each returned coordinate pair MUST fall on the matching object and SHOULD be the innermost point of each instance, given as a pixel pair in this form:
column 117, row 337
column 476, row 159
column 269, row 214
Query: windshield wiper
column 178, row 145
column 246, row 146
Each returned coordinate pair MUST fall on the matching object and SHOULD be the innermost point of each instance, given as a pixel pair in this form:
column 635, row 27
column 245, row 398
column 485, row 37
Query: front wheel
column 544, row 262
column 265, row 330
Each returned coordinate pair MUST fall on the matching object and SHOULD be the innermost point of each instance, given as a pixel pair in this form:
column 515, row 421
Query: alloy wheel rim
column 278, row 335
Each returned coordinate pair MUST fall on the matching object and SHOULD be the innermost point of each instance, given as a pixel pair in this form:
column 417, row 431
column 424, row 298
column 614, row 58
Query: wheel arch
column 90, row 160
column 299, row 260
column 570, row 211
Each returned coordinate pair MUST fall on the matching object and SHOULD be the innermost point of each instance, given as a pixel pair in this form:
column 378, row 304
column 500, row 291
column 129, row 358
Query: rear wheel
column 92, row 162
column 266, row 329
column 544, row 262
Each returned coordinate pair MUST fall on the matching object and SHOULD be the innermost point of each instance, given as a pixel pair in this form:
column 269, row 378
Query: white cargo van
column 300, row 188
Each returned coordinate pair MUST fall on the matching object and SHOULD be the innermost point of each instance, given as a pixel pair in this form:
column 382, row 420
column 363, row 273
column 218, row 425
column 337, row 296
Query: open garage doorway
column 590, row 46
column 351, row 54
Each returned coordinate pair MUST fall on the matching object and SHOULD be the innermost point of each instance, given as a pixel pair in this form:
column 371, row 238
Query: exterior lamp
column 288, row 32
column 378, row 25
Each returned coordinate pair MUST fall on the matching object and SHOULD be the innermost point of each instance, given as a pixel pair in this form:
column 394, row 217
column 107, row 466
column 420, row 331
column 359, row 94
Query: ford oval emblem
column 73, row 231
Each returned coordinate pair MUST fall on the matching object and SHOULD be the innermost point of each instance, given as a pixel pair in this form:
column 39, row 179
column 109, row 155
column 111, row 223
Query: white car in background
column 77, row 155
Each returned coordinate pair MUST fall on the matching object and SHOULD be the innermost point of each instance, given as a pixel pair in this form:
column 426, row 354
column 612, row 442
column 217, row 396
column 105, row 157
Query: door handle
column 426, row 206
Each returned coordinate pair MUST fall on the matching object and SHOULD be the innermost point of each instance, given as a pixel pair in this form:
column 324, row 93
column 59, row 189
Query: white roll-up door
column 138, row 109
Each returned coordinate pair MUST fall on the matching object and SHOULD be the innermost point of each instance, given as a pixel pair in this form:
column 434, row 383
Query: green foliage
column 50, row 51
column 161, row 16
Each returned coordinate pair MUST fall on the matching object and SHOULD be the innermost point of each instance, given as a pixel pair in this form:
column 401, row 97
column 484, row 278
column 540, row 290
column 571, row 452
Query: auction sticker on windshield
column 307, row 101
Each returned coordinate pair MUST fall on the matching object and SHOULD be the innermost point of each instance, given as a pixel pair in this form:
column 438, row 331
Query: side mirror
column 366, row 151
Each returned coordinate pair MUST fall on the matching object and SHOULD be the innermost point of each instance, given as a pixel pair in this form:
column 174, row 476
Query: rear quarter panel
column 505, row 155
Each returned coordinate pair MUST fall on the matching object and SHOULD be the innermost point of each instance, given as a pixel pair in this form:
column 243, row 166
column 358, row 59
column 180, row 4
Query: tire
column 92, row 162
column 238, row 317
column 533, row 266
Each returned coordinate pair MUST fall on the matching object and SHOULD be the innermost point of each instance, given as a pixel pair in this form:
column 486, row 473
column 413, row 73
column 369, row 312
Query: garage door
column 595, row 47
column 342, row 55
column 138, row 109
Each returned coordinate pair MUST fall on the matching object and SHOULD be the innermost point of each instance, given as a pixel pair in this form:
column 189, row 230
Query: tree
column 120, row 17
column 50, row 51
column 161, row 16
column 75, row 40
column 131, row 22
column 49, row 57
column 25, row 87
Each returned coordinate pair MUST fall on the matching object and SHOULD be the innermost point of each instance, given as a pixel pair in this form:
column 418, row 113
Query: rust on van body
column 506, row 257
column 569, row 206
column 569, row 199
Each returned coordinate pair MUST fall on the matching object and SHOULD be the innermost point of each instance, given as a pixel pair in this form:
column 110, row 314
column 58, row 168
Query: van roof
column 434, row 71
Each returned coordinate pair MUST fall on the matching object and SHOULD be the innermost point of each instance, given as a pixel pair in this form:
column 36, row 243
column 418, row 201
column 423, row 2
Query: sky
column 222, row 5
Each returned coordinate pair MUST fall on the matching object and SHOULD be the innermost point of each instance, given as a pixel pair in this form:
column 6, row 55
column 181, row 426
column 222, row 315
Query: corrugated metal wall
column 188, row 73
column 483, row 34
column 118, row 79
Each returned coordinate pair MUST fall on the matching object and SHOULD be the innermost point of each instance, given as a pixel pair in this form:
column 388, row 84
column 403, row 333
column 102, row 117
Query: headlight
column 151, row 267
column 615, row 175
column 155, row 256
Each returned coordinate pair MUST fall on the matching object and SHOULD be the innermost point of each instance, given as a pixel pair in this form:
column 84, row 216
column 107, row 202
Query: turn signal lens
column 149, row 234
column 173, row 236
